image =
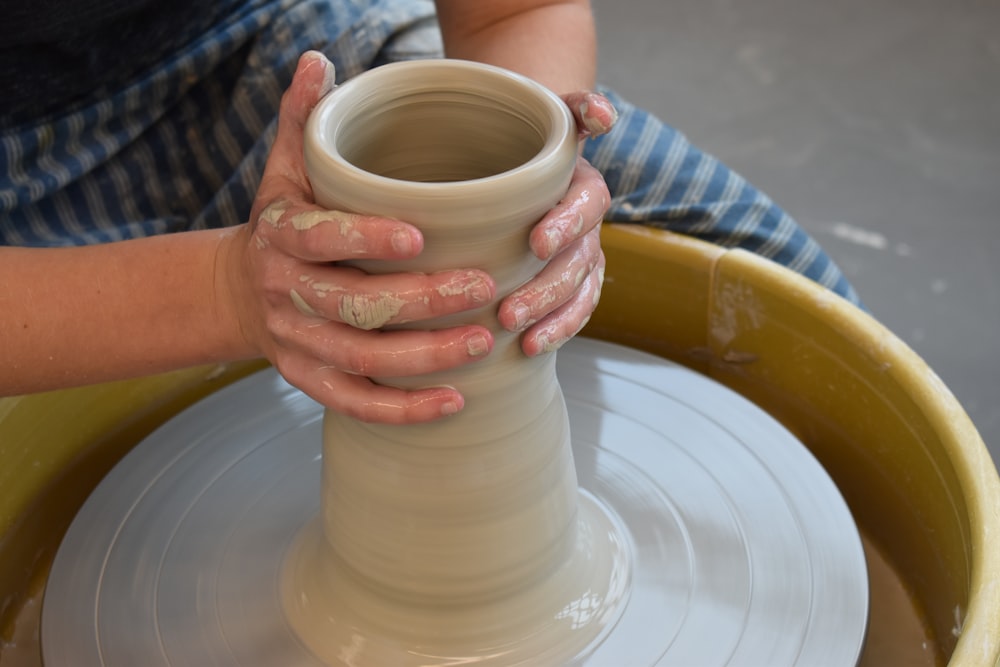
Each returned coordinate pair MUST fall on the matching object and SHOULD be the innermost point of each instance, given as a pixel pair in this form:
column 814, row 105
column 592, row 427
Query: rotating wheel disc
column 739, row 550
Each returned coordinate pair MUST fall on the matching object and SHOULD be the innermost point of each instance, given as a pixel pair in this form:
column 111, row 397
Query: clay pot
column 474, row 506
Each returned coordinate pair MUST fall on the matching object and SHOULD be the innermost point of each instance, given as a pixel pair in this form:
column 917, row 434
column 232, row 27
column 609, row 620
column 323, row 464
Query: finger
column 364, row 301
column 555, row 285
column 581, row 209
column 358, row 397
column 593, row 112
column 332, row 345
column 313, row 234
column 565, row 322
column 285, row 175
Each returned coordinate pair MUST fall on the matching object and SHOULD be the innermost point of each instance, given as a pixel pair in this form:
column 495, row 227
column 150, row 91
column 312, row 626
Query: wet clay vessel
column 465, row 514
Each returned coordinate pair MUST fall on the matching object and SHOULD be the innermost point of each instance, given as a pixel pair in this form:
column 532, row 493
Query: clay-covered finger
column 350, row 296
column 285, row 174
column 562, row 324
column 359, row 397
column 400, row 353
column 317, row 235
column 594, row 113
column 580, row 210
column 556, row 284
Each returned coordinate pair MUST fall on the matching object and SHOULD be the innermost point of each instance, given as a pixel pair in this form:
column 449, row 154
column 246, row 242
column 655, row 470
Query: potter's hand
column 316, row 321
column 553, row 306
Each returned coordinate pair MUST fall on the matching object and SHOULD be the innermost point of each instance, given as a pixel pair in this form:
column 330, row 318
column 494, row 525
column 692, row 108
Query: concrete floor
column 875, row 123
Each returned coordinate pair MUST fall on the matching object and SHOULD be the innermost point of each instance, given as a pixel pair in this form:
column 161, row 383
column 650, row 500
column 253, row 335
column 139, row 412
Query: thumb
column 593, row 112
column 285, row 175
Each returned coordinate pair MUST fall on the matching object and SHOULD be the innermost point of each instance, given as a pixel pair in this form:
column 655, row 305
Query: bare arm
column 552, row 42
column 73, row 316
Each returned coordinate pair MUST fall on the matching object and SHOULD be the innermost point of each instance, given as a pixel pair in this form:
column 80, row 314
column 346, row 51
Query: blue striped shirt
column 182, row 145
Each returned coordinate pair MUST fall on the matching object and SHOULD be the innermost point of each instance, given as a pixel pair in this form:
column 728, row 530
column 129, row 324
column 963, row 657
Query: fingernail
column 477, row 345
column 594, row 124
column 613, row 110
column 402, row 242
column 478, row 290
column 329, row 76
column 521, row 314
column 449, row 408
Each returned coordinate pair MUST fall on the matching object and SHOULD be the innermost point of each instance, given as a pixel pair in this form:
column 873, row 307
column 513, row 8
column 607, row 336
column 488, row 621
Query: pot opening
column 444, row 136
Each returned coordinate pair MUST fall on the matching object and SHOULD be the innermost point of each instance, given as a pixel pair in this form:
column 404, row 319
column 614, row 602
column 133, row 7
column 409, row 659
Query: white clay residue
column 465, row 287
column 272, row 214
column 345, row 222
column 600, row 285
column 368, row 311
column 301, row 305
column 736, row 310
column 322, row 289
column 309, row 219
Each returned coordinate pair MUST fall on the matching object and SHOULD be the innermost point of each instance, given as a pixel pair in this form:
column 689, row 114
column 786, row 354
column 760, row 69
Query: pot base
column 723, row 540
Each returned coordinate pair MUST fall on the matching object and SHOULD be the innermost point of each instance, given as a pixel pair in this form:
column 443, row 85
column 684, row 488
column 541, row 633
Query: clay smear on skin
column 553, row 237
column 368, row 311
column 309, row 219
column 301, row 304
column 600, row 287
column 469, row 285
column 594, row 124
column 547, row 295
column 272, row 214
column 362, row 311
column 371, row 311
column 548, row 345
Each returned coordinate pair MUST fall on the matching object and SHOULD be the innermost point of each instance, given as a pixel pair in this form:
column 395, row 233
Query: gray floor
column 875, row 123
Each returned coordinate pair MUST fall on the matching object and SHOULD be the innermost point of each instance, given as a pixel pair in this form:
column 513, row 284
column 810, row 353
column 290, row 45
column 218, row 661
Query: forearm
column 551, row 42
column 73, row 316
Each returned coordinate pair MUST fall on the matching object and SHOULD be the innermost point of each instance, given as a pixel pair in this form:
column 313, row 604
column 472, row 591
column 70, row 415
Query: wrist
column 231, row 301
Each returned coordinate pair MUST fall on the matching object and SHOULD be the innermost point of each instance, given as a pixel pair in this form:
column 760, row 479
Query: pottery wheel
column 738, row 548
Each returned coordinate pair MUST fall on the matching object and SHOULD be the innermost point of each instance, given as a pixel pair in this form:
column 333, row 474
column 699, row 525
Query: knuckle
column 277, row 325
column 283, row 362
column 359, row 360
column 272, row 277
column 366, row 411
column 314, row 242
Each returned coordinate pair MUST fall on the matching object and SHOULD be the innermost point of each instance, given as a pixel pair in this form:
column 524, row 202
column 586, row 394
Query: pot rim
column 388, row 83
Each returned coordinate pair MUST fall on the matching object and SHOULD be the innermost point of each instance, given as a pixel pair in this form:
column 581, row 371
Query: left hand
column 556, row 304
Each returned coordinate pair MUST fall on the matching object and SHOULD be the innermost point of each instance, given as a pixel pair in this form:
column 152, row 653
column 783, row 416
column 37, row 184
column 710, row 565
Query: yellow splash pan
column 909, row 462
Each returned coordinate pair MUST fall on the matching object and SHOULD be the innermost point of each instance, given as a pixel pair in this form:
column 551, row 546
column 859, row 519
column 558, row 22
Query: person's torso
column 56, row 52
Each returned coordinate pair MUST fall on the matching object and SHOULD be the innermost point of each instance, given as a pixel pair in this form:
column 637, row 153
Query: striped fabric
column 658, row 178
column 183, row 146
